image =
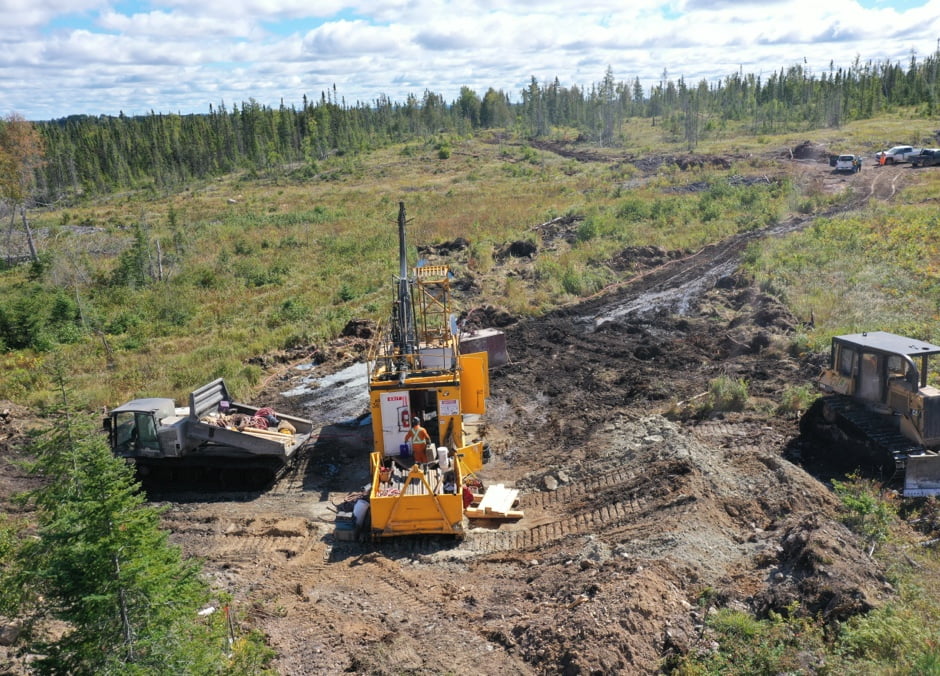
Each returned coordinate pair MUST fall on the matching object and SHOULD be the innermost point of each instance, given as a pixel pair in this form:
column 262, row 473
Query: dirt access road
column 631, row 516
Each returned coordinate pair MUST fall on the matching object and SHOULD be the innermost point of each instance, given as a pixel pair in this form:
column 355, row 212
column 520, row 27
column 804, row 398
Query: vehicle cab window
column 125, row 431
column 847, row 361
column 134, row 430
column 897, row 366
column 147, row 431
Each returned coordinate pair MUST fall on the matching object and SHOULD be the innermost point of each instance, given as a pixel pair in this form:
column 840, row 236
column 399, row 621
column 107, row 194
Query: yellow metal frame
column 429, row 513
column 440, row 368
column 403, row 514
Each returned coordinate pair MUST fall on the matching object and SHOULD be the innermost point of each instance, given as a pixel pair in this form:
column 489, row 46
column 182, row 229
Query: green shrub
column 901, row 636
column 867, row 513
column 35, row 318
column 581, row 280
column 481, row 256
column 242, row 248
column 123, row 322
column 587, row 230
column 345, row 293
column 293, row 310
column 781, row 644
column 725, row 394
column 796, row 399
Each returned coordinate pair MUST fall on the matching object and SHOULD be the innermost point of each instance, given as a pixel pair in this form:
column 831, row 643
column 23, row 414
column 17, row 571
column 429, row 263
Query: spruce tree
column 102, row 564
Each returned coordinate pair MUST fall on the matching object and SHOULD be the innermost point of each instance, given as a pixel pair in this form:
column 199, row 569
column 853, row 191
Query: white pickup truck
column 898, row 154
column 851, row 163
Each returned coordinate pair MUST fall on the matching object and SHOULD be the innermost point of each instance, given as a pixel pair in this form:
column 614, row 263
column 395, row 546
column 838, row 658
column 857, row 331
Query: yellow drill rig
column 417, row 371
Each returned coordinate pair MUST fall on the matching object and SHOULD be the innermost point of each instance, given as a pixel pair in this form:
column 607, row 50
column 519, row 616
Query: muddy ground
column 641, row 514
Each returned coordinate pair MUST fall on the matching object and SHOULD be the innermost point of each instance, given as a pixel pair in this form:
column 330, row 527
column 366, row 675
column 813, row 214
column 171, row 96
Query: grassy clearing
column 878, row 270
column 252, row 264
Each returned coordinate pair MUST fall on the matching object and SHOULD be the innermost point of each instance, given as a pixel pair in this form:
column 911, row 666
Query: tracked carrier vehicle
column 880, row 413
column 196, row 443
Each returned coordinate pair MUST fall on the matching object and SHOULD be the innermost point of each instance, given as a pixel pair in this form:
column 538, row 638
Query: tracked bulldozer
column 879, row 412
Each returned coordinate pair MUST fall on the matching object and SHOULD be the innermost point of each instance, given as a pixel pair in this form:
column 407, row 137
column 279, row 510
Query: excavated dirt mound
column 808, row 150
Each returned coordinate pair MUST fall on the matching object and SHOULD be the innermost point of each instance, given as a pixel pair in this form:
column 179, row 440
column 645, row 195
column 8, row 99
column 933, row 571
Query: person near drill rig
column 419, row 438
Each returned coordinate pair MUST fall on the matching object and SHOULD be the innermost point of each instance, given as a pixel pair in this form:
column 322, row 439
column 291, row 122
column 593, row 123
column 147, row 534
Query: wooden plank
column 269, row 434
column 497, row 503
column 477, row 513
column 498, row 498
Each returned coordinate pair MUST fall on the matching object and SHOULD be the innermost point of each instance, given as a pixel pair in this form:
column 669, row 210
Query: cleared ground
column 630, row 514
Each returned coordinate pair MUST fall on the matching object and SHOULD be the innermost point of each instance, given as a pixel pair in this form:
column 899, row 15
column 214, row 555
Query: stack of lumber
column 497, row 503
column 285, row 439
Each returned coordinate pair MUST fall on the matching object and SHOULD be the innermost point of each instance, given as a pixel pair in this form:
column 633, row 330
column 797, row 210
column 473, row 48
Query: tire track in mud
column 674, row 286
column 882, row 173
column 245, row 540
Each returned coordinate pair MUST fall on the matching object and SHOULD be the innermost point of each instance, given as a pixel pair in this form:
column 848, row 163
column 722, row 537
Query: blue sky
column 65, row 57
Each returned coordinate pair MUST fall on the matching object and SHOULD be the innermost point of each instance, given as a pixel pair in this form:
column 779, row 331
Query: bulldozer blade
column 922, row 475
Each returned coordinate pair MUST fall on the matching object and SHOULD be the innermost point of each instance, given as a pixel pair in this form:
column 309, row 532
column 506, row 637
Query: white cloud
column 179, row 55
column 350, row 38
column 177, row 25
column 16, row 14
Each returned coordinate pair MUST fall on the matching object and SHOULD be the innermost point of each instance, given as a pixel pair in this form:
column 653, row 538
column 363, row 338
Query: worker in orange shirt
column 419, row 438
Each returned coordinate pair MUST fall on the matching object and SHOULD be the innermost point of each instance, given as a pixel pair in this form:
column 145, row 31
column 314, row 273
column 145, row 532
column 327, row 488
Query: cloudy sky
column 64, row 57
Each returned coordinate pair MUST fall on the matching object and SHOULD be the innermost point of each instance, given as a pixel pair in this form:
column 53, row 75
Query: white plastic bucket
column 442, row 460
column 360, row 509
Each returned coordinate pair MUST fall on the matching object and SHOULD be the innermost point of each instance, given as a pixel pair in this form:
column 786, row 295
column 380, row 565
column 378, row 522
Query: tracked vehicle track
column 551, row 516
column 861, row 434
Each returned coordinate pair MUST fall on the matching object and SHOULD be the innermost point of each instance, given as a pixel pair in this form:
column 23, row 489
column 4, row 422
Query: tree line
column 90, row 155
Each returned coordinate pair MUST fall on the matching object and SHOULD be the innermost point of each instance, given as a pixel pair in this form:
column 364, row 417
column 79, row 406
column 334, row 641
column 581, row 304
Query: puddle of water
column 301, row 389
column 336, row 396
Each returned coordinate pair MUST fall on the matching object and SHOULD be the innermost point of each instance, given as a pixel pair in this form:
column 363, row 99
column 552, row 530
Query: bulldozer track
column 550, row 517
column 238, row 547
column 723, row 435
column 885, row 446
column 291, row 480
column 565, row 493
column 609, row 518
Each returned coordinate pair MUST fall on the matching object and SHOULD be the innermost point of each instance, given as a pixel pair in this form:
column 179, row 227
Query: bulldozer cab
column 880, row 410
column 871, row 366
